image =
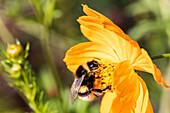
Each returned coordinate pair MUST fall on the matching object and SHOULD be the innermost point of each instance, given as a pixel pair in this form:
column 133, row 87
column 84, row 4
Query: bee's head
column 93, row 65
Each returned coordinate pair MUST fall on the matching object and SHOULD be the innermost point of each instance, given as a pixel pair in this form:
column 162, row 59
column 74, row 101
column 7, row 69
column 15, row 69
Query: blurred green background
column 146, row 21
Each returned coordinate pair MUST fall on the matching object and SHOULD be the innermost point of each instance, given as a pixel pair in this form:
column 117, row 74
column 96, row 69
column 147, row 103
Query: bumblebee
column 83, row 83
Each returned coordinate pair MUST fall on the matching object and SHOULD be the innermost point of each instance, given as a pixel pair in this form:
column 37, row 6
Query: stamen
column 103, row 76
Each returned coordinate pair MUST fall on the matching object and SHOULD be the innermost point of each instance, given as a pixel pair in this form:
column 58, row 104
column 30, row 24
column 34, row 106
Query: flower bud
column 14, row 50
column 15, row 70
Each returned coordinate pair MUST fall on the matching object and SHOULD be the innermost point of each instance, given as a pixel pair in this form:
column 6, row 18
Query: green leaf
column 49, row 12
column 30, row 27
column 41, row 94
column 36, row 4
column 18, row 84
column 18, row 42
column 5, row 34
column 6, row 66
column 45, row 107
column 27, row 50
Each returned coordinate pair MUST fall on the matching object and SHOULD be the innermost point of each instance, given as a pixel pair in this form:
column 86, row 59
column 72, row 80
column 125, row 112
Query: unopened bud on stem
column 14, row 50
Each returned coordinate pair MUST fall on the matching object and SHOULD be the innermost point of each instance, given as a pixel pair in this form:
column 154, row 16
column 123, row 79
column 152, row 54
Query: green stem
column 27, row 92
column 167, row 55
column 34, row 105
column 27, row 89
column 45, row 41
column 37, row 8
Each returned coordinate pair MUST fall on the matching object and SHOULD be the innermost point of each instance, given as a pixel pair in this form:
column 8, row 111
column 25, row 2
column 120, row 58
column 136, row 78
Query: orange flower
column 119, row 56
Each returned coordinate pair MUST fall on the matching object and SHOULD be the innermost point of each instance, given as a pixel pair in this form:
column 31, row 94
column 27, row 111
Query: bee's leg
column 100, row 90
column 97, row 96
column 96, row 90
column 108, row 87
column 138, row 73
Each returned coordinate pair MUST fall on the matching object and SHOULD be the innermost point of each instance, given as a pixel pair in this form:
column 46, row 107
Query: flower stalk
column 45, row 35
column 28, row 93
column 167, row 55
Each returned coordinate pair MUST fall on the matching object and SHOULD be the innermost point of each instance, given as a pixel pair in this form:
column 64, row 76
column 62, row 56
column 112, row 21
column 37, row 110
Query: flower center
column 103, row 76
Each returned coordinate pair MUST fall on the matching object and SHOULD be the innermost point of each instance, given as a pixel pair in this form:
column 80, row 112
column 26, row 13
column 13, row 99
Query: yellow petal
column 88, row 51
column 106, row 103
column 98, row 28
column 88, row 20
column 149, row 108
column 109, row 42
column 115, row 105
column 144, row 63
column 158, row 77
column 107, row 23
column 97, row 33
column 146, row 105
column 130, row 94
column 139, row 102
column 125, row 82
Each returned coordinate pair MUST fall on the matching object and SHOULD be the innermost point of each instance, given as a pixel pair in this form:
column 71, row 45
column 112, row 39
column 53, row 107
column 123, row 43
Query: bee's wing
column 75, row 88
